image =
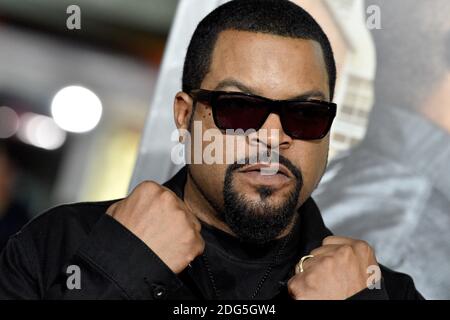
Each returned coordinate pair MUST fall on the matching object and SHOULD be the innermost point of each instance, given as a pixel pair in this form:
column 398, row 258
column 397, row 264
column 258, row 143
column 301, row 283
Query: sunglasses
column 300, row 119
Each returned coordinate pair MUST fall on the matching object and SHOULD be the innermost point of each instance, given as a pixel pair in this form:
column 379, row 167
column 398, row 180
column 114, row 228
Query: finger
column 179, row 203
column 359, row 247
column 295, row 285
column 325, row 249
column 307, row 264
column 178, row 199
column 192, row 214
column 196, row 223
column 112, row 208
column 337, row 240
column 146, row 187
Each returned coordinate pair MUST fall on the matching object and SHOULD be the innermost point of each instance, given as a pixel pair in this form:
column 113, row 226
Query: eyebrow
column 229, row 82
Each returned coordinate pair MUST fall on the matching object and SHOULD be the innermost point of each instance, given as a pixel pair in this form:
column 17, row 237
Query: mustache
column 296, row 172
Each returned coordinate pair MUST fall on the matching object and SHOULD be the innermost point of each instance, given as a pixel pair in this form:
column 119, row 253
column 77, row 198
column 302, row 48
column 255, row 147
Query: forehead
column 275, row 66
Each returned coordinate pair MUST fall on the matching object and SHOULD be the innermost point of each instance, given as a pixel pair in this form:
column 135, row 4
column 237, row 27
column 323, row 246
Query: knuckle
column 191, row 235
column 182, row 219
column 188, row 239
column 181, row 216
column 201, row 246
column 196, row 250
column 182, row 212
column 345, row 250
column 146, row 188
column 292, row 286
column 197, row 225
column 362, row 246
column 310, row 279
column 166, row 196
column 187, row 218
column 327, row 262
column 190, row 257
column 328, row 240
column 112, row 209
column 146, row 185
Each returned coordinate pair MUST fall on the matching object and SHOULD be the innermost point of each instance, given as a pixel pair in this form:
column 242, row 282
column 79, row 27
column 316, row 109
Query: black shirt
column 12, row 219
column 114, row 264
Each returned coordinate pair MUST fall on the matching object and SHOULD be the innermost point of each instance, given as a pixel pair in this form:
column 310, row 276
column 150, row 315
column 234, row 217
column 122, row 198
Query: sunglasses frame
column 275, row 106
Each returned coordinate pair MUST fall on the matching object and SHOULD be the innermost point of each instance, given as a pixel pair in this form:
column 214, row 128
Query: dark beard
column 258, row 222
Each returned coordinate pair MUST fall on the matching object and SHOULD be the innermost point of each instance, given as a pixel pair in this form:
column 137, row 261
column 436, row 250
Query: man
column 13, row 214
column 221, row 230
column 393, row 190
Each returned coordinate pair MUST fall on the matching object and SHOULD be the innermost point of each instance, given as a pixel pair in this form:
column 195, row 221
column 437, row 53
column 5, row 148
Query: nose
column 271, row 134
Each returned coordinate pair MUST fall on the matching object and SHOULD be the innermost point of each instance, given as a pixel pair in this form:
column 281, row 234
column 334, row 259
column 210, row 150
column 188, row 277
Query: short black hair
column 277, row 17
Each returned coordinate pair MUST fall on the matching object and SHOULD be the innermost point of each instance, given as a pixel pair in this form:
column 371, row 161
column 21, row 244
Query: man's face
column 277, row 68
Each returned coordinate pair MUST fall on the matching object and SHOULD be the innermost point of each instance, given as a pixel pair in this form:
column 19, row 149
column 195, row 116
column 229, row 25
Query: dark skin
column 273, row 67
column 277, row 68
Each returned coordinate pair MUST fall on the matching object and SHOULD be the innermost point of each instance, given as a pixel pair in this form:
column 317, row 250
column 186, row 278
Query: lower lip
column 256, row 178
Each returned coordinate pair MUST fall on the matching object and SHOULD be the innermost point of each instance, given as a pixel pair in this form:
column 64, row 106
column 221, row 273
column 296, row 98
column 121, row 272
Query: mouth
column 273, row 169
column 274, row 174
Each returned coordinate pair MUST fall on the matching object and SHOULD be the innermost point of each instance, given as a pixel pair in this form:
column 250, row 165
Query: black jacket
column 115, row 264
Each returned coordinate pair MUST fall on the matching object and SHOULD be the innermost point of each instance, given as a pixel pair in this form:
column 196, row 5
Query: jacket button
column 159, row 291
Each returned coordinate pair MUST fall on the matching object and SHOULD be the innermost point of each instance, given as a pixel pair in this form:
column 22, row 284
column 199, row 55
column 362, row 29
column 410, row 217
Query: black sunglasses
column 301, row 119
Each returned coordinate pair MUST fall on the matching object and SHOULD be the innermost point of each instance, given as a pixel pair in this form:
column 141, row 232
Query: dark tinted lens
column 239, row 112
column 307, row 120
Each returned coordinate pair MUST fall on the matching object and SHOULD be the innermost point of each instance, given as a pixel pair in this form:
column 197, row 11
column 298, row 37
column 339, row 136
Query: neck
column 201, row 207
column 205, row 211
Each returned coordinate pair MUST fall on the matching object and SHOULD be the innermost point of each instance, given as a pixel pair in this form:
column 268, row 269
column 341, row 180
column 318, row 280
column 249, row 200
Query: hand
column 338, row 270
column 163, row 222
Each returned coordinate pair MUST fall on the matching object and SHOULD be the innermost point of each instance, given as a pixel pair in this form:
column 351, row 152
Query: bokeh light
column 9, row 122
column 40, row 131
column 76, row 109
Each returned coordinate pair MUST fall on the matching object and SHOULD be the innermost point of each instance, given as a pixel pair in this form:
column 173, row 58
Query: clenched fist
column 338, row 270
column 163, row 222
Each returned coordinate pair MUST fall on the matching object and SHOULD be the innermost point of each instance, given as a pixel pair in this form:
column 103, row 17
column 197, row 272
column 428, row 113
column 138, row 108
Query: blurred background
column 86, row 90
column 63, row 145
column 73, row 102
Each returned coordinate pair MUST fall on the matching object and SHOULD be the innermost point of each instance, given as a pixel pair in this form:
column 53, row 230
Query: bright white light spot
column 9, row 122
column 76, row 109
column 40, row 131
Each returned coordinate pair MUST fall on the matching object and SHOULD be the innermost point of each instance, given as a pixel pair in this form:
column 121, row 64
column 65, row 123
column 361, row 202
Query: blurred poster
column 393, row 189
column 156, row 143
column 388, row 179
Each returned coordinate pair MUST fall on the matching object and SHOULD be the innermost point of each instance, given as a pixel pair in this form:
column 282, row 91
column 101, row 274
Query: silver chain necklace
column 260, row 283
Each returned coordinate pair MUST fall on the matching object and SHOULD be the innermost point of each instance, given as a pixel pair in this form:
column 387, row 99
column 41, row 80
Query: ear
column 182, row 110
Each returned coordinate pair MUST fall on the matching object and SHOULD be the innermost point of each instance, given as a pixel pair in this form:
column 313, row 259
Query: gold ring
column 299, row 266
